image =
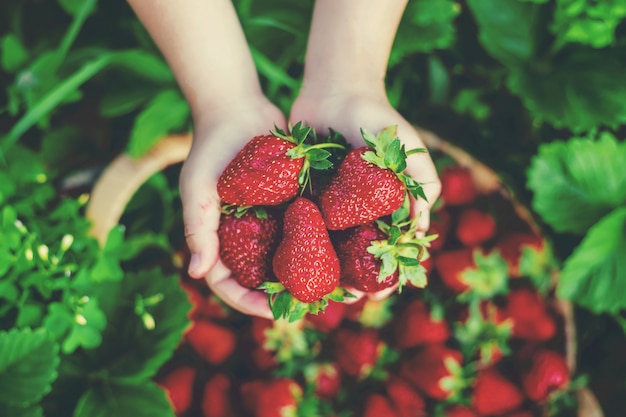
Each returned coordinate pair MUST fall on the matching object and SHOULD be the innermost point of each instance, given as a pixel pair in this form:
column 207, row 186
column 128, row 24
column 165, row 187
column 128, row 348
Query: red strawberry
column 548, row 373
column 178, row 386
column 475, row 227
column 216, row 397
column 360, row 269
column 274, row 398
column 531, row 319
column 435, row 370
column 357, row 351
column 306, row 262
column 471, row 269
column 330, row 318
column 270, row 169
column 405, row 400
column 326, row 378
column 212, row 342
column 452, row 264
column 369, row 182
column 247, row 243
column 494, row 394
column 459, row 411
column 457, row 186
column 377, row 405
column 416, row 326
column 514, row 246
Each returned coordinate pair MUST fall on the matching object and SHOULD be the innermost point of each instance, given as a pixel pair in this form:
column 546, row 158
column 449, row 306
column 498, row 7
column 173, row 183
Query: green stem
column 67, row 41
column 416, row 150
column 52, row 100
column 326, row 145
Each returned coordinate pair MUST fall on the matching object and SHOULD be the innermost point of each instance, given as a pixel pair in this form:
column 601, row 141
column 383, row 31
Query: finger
column 245, row 300
column 382, row 294
column 201, row 215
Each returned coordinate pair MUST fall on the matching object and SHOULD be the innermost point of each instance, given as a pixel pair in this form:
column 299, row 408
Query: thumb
column 201, row 216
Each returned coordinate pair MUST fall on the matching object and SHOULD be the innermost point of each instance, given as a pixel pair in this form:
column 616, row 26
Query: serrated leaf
column 403, row 260
column 124, row 400
column 395, row 158
column 128, row 349
column 509, row 35
column 575, row 183
column 579, row 89
column 28, row 365
column 167, row 112
column 594, row 275
column 12, row 53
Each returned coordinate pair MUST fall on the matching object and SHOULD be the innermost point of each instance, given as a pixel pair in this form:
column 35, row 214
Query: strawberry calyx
column 403, row 251
column 489, row 279
column 484, row 333
column 306, row 146
column 284, row 305
column 389, row 153
column 239, row 211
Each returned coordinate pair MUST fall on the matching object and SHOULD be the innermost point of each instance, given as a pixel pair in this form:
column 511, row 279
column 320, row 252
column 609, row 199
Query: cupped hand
column 218, row 136
column 347, row 113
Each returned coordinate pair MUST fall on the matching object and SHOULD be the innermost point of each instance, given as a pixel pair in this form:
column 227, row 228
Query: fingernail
column 194, row 263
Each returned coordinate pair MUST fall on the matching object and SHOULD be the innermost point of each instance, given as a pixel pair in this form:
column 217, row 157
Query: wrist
column 217, row 109
column 318, row 88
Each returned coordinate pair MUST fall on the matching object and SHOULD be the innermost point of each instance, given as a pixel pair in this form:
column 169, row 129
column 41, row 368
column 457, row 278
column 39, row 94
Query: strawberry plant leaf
column 576, row 89
column 280, row 304
column 317, row 154
column 426, row 25
column 28, row 366
column 594, row 275
column 510, row 34
column 576, row 183
column 13, row 54
column 321, row 165
column 167, row 112
column 129, row 350
column 124, row 400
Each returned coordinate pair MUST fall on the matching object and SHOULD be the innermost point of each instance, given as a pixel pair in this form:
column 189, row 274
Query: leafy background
column 533, row 88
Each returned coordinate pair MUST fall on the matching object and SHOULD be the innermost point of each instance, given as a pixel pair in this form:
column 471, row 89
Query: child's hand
column 217, row 139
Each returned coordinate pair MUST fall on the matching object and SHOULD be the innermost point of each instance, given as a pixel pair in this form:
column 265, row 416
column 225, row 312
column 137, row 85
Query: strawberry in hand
column 370, row 182
column 305, row 263
column 375, row 256
column 271, row 169
column 247, row 243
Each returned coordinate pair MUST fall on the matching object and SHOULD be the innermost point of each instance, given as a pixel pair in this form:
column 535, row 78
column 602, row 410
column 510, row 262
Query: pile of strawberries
column 483, row 336
column 304, row 217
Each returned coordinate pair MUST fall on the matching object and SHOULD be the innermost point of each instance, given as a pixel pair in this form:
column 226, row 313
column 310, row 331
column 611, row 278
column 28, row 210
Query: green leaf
column 16, row 411
column 73, row 7
column 507, row 29
column 28, row 366
column 12, row 53
column 124, row 400
column 123, row 101
column 579, row 89
column 426, row 25
column 587, row 22
column 144, row 64
column 575, row 183
column 165, row 113
column 129, row 351
column 594, row 275
column 53, row 98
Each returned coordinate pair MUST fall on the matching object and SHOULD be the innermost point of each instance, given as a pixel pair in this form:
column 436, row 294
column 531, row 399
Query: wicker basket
column 125, row 175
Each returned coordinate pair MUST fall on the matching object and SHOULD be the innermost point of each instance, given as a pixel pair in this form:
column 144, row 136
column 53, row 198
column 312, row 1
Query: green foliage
column 124, row 400
column 580, row 188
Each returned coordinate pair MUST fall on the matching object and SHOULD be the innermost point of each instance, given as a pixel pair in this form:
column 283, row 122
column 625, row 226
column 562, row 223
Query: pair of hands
column 222, row 133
